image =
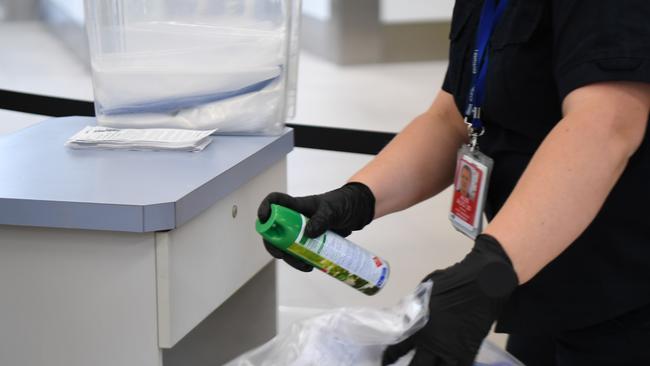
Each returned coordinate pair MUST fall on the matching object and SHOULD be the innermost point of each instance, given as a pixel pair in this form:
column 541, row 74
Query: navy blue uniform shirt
column 540, row 51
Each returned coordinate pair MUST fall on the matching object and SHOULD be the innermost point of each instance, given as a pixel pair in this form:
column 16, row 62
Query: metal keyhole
column 234, row 211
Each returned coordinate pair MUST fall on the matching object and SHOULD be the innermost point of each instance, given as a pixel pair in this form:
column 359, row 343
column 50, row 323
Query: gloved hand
column 466, row 299
column 342, row 210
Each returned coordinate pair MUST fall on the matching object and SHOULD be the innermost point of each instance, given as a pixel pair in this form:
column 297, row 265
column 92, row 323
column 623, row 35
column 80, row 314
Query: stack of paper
column 95, row 137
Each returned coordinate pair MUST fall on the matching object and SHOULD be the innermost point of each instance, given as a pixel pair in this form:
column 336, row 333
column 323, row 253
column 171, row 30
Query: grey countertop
column 43, row 183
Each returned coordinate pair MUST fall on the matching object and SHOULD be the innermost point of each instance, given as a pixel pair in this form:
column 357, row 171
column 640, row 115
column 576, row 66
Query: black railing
column 311, row 137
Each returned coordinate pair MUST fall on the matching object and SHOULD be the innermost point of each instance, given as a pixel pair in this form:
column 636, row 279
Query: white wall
column 319, row 9
column 413, row 11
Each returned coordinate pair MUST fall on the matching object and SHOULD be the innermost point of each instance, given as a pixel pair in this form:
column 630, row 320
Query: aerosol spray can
column 331, row 253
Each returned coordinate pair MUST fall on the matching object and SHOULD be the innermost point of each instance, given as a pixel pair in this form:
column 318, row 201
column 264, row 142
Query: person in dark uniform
column 564, row 264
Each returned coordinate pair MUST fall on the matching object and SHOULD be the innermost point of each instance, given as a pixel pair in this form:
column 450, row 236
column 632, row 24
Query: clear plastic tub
column 196, row 64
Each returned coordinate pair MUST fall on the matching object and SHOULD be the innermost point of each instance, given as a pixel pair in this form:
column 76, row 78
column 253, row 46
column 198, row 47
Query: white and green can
column 331, row 253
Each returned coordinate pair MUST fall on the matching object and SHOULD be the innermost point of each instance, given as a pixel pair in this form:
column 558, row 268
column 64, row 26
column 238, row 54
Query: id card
column 473, row 170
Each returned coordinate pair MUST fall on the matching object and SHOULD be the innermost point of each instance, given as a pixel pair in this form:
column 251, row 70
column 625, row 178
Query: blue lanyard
column 490, row 16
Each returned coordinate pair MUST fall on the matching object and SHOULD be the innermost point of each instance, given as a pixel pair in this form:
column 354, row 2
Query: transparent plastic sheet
column 206, row 64
column 355, row 337
column 234, row 82
column 257, row 112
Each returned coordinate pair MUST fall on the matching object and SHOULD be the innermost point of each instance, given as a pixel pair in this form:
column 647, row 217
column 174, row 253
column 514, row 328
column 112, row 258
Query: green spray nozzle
column 282, row 228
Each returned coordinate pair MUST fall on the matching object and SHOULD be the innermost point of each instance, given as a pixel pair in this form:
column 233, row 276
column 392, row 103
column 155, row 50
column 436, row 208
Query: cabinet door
column 202, row 263
column 77, row 298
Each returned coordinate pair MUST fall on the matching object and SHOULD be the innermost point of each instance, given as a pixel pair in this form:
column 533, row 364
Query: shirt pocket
column 520, row 80
column 519, row 24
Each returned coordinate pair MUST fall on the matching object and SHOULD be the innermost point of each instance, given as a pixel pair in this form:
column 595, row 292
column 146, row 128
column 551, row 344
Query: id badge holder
column 473, row 169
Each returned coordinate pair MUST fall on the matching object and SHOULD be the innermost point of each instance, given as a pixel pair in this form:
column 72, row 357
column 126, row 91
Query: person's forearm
column 419, row 162
column 567, row 182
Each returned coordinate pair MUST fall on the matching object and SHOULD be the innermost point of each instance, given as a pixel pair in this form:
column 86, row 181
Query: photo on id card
column 470, row 191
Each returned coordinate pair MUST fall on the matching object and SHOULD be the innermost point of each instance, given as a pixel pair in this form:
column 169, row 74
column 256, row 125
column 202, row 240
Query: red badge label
column 470, row 191
column 467, row 191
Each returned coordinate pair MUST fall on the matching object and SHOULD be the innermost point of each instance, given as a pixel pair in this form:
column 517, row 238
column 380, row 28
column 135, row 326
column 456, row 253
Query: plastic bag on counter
column 229, row 65
column 254, row 109
column 235, row 82
column 356, row 337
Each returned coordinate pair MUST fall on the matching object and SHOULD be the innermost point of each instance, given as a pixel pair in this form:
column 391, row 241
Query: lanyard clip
column 475, row 128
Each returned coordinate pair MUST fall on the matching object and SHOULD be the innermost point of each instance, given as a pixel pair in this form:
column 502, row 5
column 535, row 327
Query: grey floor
column 381, row 97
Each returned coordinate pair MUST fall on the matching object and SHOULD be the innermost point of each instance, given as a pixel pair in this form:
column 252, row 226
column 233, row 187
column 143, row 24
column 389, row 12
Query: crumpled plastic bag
column 202, row 77
column 356, row 337
column 254, row 113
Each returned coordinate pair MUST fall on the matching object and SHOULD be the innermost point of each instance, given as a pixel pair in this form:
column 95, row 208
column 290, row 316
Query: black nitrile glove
column 466, row 299
column 342, row 210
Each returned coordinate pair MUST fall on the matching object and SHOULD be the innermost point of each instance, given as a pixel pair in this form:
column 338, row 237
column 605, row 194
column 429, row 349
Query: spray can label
column 343, row 260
